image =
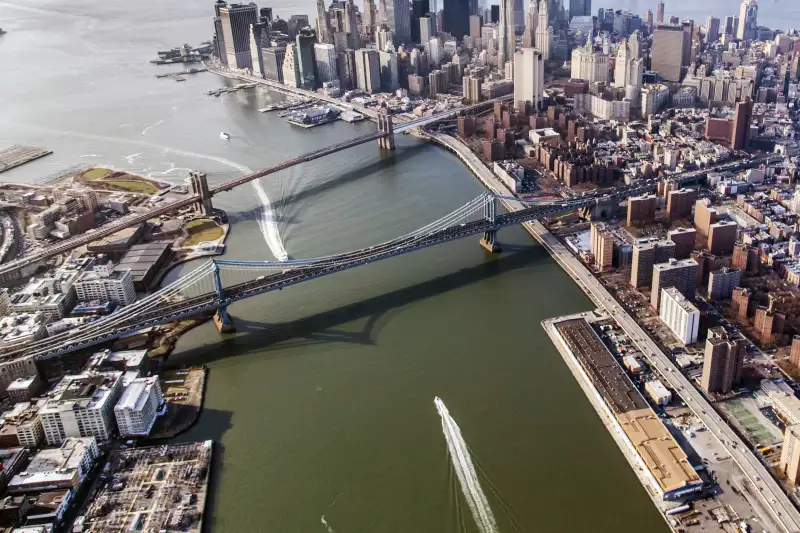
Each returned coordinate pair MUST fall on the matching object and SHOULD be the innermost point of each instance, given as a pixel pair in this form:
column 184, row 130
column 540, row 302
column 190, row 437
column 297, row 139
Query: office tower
column 219, row 35
column 544, row 32
column 529, row 77
column 684, row 239
column 748, row 21
column 351, row 19
column 455, row 18
column 434, row 54
column 735, row 25
column 427, row 28
column 273, row 63
column 529, row 34
column 296, row 22
column 384, row 38
column 265, row 15
column 712, row 29
column 519, row 16
column 291, row 66
column 789, row 464
column 641, row 209
column 256, row 53
column 306, row 62
column 495, row 14
column 505, row 48
column 369, row 21
column 678, row 273
column 475, row 25
column 728, row 30
column 722, row 237
column 437, row 83
column 389, row 77
column 346, row 65
column 660, row 13
column 679, row 315
column 679, row 203
column 419, row 8
column 741, row 123
column 324, row 30
column 686, row 52
column 235, row 20
column 722, row 282
column 722, row 362
column 397, row 16
column 589, row 65
column 629, row 66
column 667, row 52
column 649, row 20
column 645, row 256
column 325, row 58
column 601, row 242
column 368, row 70
column 580, row 8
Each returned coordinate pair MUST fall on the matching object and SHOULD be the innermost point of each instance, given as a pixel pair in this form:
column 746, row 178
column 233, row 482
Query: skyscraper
column 741, row 124
column 505, row 47
column 235, row 20
column 686, row 51
column 722, row 363
column 368, row 70
column 712, row 29
column 389, row 75
column 306, row 62
column 455, row 18
column 544, row 32
column 529, row 77
column 580, row 8
column 325, row 58
column 519, row 16
column 219, row 35
column 324, row 30
column 397, row 17
column 589, row 65
column 660, row 13
column 748, row 20
column 532, row 18
column 427, row 28
column 291, row 70
column 667, row 51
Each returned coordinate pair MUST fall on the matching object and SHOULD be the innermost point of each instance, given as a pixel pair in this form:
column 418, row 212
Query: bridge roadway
column 769, row 494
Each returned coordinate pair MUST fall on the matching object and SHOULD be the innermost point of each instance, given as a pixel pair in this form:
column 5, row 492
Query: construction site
column 159, row 488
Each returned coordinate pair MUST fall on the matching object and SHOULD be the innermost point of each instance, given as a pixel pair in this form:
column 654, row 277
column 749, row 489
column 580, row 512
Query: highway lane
column 772, row 496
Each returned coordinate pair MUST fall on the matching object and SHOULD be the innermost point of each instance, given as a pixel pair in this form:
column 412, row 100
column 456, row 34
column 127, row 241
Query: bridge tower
column 222, row 319
column 385, row 125
column 489, row 239
column 199, row 186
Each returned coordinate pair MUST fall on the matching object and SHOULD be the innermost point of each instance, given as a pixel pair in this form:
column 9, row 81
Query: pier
column 19, row 155
column 178, row 76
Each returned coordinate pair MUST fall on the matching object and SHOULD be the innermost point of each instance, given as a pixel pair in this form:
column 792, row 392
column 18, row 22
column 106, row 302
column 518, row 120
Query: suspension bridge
column 217, row 284
column 203, row 193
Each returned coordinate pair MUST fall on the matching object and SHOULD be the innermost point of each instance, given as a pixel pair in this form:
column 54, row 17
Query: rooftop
column 135, row 396
column 88, row 390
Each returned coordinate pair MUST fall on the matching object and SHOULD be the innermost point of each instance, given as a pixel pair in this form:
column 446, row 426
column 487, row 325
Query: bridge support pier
column 199, row 186
column 385, row 125
column 489, row 242
column 223, row 321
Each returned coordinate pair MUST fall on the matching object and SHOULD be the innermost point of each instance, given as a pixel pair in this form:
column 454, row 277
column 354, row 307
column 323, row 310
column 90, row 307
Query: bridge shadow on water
column 351, row 176
column 319, row 329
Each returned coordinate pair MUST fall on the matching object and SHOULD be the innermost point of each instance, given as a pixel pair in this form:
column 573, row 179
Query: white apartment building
column 138, row 407
column 105, row 284
column 82, row 405
column 679, row 315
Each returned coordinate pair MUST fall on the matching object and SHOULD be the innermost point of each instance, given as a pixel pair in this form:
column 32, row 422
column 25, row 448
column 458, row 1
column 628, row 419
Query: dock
column 178, row 76
column 19, row 155
column 223, row 90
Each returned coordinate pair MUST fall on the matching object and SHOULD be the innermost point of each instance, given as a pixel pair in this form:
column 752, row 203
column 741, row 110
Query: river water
column 323, row 403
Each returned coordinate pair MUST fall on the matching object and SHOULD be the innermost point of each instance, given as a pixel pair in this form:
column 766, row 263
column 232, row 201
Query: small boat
column 224, row 136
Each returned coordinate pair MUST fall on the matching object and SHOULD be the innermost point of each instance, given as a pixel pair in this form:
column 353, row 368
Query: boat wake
column 465, row 471
column 268, row 226
column 325, row 523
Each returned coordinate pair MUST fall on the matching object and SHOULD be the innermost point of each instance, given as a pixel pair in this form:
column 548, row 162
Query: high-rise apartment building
column 748, row 21
column 740, row 303
column 601, row 245
column 529, row 77
column 722, row 282
column 794, row 353
column 741, row 124
column 138, row 407
column 235, row 21
column 680, row 316
column 722, row 362
column 722, row 237
column 641, row 209
column 105, row 284
column 768, row 323
column 679, row 203
column 678, row 273
column 684, row 239
column 644, row 256
column 704, row 215
column 666, row 56
column 745, row 258
column 789, row 464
